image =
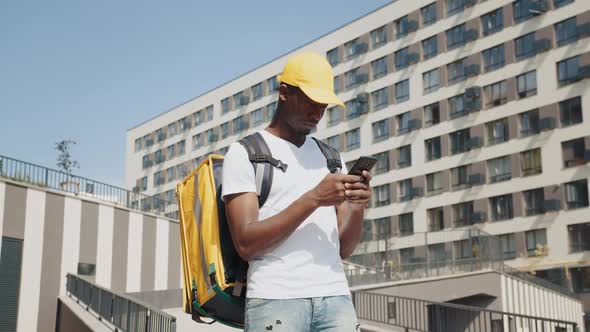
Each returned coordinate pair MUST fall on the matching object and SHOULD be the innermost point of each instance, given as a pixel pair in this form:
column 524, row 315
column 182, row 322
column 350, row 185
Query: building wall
column 132, row 251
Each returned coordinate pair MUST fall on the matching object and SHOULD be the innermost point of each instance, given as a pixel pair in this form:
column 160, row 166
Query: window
column 534, row 200
column 257, row 117
column 402, row 91
column 198, row 118
column 526, row 84
column 576, row 194
column 406, row 255
column 566, row 31
column 225, row 105
column 367, row 230
column 209, row 112
column 137, row 144
column 437, row 252
column 257, row 91
column 401, row 27
column 333, row 57
column 529, row 123
column 380, row 99
column 436, row 219
column 211, row 136
column 383, row 228
column 354, row 48
column 403, row 122
column 455, row 36
column 531, row 162
column 181, row 148
column 567, row 70
column 459, row 176
column 431, row 114
column 334, row 116
column 428, row 14
column 500, row 169
column 355, row 108
column 454, row 6
column 184, row 124
column 574, row 152
column 404, row 156
column 378, row 37
column 496, row 94
column 494, row 58
column 406, row 224
column 170, row 152
column 521, row 10
column 570, row 111
column 240, row 99
column 160, row 135
column 462, row 214
column 379, row 67
column 380, row 130
column 559, row 3
column 405, row 190
column 492, row 22
column 498, row 131
column 433, row 149
column 431, row 80
column 502, row 208
column 171, row 174
column 382, row 165
column 240, row 124
column 353, row 139
column 172, row 129
column 525, row 46
column 334, row 142
column 401, row 58
column 460, row 141
column 433, row 183
column 350, row 78
column 197, row 141
column 382, row 195
column 148, row 141
column 579, row 236
column 456, row 71
column 143, row 183
column 337, row 84
column 430, row 47
column 457, row 106
column 158, row 178
column 536, row 242
column 272, row 85
column 508, row 243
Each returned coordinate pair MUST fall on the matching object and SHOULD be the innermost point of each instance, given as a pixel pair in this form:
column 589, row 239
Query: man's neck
column 285, row 132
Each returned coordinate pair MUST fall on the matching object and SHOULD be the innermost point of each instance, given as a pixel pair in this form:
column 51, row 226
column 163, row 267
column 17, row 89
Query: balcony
column 500, row 177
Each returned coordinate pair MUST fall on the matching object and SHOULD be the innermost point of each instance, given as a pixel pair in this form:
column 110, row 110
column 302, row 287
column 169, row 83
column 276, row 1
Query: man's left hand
column 359, row 193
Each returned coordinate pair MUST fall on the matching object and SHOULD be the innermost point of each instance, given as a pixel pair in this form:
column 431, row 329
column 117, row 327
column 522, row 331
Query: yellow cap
column 313, row 74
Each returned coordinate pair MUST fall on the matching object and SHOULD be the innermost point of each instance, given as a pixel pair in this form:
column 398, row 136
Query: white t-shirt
column 307, row 264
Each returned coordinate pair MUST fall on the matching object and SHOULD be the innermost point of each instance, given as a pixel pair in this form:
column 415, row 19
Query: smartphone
column 364, row 163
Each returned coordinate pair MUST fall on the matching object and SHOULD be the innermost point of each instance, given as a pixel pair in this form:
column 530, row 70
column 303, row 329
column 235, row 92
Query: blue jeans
column 332, row 313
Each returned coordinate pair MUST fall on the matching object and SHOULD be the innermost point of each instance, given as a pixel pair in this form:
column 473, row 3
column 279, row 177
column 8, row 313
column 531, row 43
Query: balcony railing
column 40, row 176
column 579, row 246
column 119, row 310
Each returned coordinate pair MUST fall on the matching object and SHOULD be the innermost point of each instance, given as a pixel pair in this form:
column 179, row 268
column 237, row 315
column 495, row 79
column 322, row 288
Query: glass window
column 576, row 194
column 353, row 139
column 380, row 130
column 502, row 207
column 170, row 151
column 433, row 148
column 430, row 47
column 401, row 27
column 437, row 252
column 456, row 71
column 567, row 70
column 272, row 84
column 454, row 6
column 406, row 256
column 462, row 214
column 534, row 200
column 257, row 91
column 402, row 91
column 433, row 182
column 181, row 147
column 531, row 162
column 574, row 152
column 494, row 58
column 529, row 123
column 257, row 117
column 436, row 219
column 379, row 67
column 405, row 189
column 138, row 142
column 500, row 169
column 431, row 114
column 431, row 80
column 457, row 106
column 401, row 58
column 350, row 77
column 579, row 237
column 380, row 99
column 382, row 195
column 158, row 178
column 455, row 36
column 536, row 242
column 404, row 156
column 225, row 105
column 334, row 142
column 428, row 14
column 197, row 141
column 225, row 129
column 198, row 118
column 383, row 227
column 570, row 111
column 337, row 84
column 211, row 136
column 508, row 244
column 566, row 31
column 184, row 124
column 333, row 57
column 559, row 3
column 378, row 37
column 352, row 48
column 526, row 84
column 460, row 141
column 498, row 131
column 521, row 10
column 382, row 165
column 148, row 141
column 459, row 176
column 209, row 112
column 406, row 224
column 355, row 108
column 240, row 124
column 525, row 46
column 334, row 116
column 143, row 183
column 172, row 129
column 496, row 94
column 171, row 174
column 240, row 99
column 492, row 22
column 403, row 123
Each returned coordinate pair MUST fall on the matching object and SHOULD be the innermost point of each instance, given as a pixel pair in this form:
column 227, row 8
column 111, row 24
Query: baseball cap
column 313, row 74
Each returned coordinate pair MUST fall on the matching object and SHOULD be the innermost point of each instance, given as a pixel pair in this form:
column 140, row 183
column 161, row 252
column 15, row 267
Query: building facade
column 478, row 112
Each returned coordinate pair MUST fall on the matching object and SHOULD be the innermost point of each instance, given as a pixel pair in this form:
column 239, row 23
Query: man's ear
column 283, row 92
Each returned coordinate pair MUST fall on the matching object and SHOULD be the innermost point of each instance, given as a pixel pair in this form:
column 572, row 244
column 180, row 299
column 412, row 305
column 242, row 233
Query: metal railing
column 21, row 171
column 121, row 311
column 428, row 316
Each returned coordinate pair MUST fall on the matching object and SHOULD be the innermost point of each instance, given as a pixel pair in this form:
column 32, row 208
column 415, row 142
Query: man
column 311, row 220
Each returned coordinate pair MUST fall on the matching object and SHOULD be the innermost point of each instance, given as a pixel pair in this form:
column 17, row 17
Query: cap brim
column 321, row 96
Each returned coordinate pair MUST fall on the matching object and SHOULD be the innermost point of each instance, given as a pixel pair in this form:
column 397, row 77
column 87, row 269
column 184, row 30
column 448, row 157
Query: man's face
column 302, row 114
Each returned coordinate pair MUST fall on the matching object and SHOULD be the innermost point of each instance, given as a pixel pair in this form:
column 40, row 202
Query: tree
column 64, row 159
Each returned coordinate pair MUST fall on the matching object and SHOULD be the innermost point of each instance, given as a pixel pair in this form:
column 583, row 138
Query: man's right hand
column 331, row 190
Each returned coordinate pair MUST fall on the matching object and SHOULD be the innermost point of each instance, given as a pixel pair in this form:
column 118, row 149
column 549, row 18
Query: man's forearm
column 351, row 230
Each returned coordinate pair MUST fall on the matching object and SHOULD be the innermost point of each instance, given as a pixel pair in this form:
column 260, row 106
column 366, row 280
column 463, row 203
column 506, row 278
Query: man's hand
column 332, row 189
column 359, row 192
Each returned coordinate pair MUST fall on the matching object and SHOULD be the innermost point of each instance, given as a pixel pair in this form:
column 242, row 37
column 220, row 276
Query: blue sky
column 90, row 70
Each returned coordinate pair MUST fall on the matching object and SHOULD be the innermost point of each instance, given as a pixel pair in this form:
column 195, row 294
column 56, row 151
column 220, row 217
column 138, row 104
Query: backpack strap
column 332, row 155
column 263, row 163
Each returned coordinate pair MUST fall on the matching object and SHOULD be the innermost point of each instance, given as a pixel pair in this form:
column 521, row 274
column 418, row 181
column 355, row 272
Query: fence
column 21, row 171
column 124, row 313
column 427, row 316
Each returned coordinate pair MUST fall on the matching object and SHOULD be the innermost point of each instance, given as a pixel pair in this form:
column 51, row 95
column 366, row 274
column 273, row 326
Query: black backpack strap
column 263, row 163
column 332, row 155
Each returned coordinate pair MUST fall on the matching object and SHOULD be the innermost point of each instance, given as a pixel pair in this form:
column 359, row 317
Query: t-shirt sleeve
column 238, row 174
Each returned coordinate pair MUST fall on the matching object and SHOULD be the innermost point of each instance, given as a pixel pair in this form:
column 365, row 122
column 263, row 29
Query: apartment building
column 478, row 112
